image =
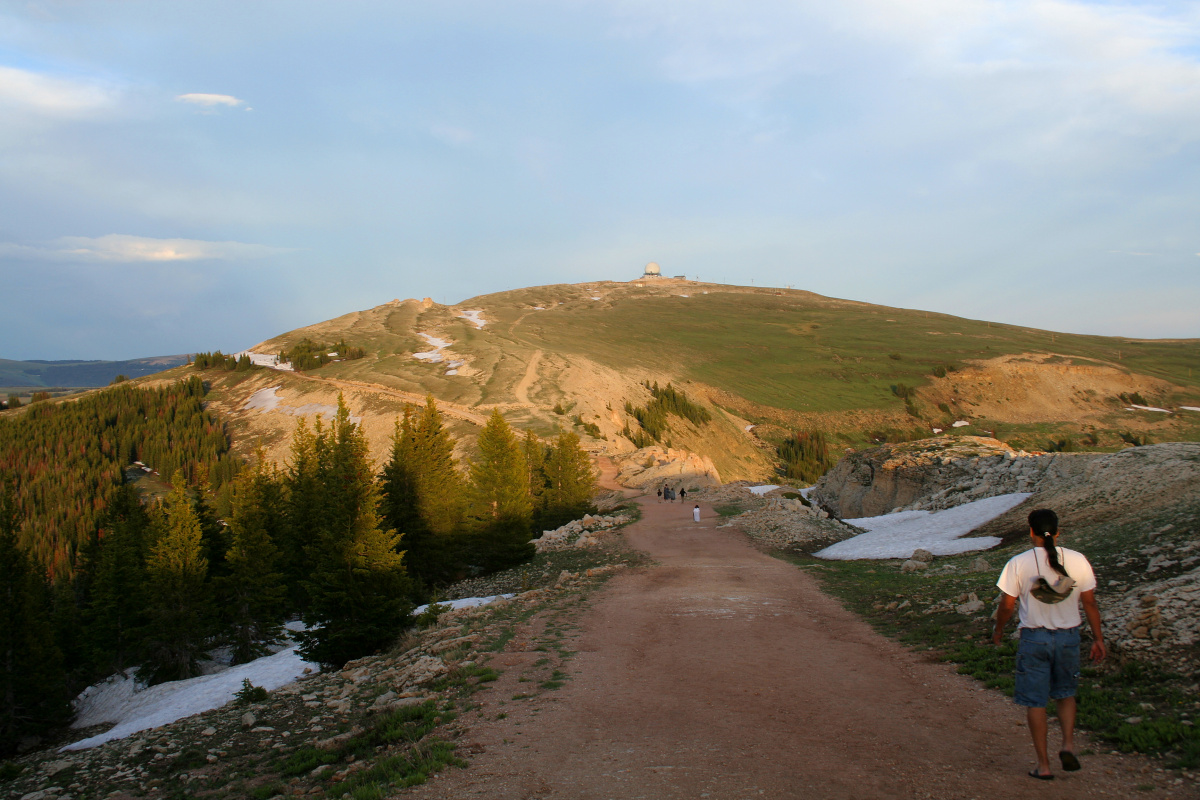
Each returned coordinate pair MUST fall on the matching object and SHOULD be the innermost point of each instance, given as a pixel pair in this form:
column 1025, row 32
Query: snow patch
column 475, row 317
column 1190, row 408
column 1148, row 408
column 433, row 356
column 959, row 423
column 466, row 602
column 761, row 490
column 898, row 535
column 265, row 360
column 269, row 400
column 120, row 700
column 749, row 428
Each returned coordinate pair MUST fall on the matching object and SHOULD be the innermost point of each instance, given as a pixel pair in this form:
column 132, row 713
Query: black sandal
column 1033, row 773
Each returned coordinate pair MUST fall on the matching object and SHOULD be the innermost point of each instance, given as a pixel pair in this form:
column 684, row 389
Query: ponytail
column 1044, row 523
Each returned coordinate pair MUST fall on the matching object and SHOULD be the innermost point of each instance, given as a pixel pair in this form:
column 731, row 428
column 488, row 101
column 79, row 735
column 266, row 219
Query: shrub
column 249, row 693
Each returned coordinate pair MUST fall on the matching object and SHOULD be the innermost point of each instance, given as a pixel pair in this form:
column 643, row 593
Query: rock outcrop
column 578, row 533
column 651, row 466
column 933, row 474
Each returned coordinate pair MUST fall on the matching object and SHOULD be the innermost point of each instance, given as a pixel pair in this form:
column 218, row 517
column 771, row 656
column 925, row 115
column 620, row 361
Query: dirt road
column 721, row 672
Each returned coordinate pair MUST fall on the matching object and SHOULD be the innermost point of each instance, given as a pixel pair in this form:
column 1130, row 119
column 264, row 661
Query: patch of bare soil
column 721, row 672
column 1039, row 387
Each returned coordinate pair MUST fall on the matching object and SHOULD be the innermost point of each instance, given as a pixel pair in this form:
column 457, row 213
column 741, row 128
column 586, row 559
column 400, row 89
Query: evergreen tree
column 503, row 509
column 33, row 699
column 178, row 595
column 252, row 594
column 535, row 468
column 570, row 479
column 400, row 504
column 304, row 507
column 440, row 486
column 116, row 613
column 499, row 478
column 441, row 499
column 215, row 536
column 358, row 586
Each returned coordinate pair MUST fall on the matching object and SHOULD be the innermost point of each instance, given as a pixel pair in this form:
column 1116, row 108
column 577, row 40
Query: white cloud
column 132, row 249
column 50, row 95
column 210, row 101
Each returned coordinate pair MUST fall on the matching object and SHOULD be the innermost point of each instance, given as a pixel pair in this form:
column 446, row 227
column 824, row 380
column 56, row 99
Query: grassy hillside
column 573, row 355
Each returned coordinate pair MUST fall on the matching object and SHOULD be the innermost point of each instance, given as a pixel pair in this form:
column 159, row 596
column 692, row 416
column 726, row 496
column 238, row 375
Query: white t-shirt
column 1022, row 571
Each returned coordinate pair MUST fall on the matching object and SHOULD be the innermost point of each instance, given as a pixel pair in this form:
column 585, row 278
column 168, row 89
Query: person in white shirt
column 696, row 513
column 1049, row 583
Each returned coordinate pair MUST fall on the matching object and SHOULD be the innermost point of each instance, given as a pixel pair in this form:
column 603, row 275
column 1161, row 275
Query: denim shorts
column 1047, row 666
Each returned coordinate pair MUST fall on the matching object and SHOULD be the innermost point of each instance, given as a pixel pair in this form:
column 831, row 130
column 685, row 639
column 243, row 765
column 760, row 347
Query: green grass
column 1109, row 694
column 788, row 350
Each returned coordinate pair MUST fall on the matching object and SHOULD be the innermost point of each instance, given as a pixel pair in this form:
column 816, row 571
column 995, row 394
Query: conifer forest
column 99, row 577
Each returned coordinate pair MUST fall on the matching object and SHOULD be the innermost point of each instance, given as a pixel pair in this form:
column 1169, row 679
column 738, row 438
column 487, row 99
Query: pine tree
column 304, row 508
column 441, row 499
column 116, row 613
column 499, row 478
column 502, row 508
column 358, row 587
column 400, row 503
column 571, row 480
column 440, row 486
column 215, row 536
column 535, row 468
column 33, row 697
column 252, row 594
column 178, row 594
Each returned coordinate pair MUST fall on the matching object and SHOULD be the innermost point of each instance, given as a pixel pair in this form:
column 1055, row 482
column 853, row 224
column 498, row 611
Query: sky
column 178, row 177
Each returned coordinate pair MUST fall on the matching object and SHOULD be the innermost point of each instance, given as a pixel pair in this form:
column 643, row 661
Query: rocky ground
column 383, row 721
column 777, row 519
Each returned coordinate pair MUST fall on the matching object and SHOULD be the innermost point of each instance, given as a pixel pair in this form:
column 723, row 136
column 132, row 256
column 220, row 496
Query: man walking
column 696, row 513
column 1049, row 583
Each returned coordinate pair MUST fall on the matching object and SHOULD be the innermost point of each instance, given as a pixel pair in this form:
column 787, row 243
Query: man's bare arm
column 1004, row 613
column 1092, row 612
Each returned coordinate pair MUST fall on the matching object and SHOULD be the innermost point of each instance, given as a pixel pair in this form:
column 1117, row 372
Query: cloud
column 211, row 101
column 121, row 248
column 50, row 95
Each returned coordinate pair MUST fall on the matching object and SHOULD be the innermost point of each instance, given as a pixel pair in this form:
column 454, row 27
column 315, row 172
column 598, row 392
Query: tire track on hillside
column 449, row 409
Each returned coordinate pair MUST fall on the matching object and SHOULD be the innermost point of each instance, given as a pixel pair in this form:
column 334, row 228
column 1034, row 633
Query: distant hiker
column 670, row 495
column 1049, row 583
column 696, row 513
column 682, row 494
column 660, row 494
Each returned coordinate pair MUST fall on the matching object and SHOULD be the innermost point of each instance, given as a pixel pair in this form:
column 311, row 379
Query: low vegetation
column 1134, row 704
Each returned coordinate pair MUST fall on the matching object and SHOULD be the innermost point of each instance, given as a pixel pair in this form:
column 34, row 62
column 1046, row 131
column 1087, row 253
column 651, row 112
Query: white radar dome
column 652, row 269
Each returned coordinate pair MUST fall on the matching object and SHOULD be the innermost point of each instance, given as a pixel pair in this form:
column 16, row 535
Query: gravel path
column 721, row 672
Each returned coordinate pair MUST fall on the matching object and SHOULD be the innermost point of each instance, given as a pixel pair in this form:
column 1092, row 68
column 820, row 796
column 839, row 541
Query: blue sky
column 190, row 176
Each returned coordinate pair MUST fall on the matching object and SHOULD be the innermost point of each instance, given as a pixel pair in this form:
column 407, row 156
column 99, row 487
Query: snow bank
column 435, row 355
column 1147, row 408
column 269, row 400
column 1190, row 408
column 761, row 490
column 898, row 535
column 959, row 423
column 119, row 700
column 265, row 360
column 475, row 317
column 466, row 602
